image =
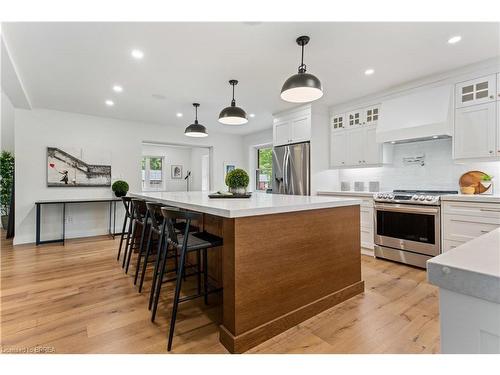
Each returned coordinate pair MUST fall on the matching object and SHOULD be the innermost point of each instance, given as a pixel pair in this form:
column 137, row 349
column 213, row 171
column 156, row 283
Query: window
column 152, row 173
column 264, row 168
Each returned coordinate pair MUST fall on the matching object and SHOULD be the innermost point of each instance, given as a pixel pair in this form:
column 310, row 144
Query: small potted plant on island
column 237, row 180
column 487, row 182
column 120, row 188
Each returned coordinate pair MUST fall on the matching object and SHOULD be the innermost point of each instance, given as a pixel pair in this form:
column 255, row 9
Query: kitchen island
column 285, row 258
column 469, row 297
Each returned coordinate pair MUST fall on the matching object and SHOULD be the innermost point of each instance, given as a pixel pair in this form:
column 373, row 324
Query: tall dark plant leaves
column 7, row 175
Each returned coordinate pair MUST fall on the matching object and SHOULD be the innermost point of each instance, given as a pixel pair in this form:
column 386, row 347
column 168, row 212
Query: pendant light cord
column 233, row 102
column 302, row 67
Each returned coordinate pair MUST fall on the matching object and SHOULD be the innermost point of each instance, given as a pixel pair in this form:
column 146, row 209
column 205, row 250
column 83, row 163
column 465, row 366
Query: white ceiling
column 73, row 66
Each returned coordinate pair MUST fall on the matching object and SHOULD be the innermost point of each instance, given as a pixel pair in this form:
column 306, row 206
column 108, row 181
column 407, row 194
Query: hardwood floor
column 76, row 299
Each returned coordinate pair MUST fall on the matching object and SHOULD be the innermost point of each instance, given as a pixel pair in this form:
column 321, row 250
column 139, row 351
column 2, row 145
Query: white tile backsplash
column 440, row 172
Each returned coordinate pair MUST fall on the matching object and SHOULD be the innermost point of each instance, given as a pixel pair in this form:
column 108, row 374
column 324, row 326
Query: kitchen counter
column 472, row 268
column 258, row 204
column 478, row 198
column 469, row 297
column 361, row 194
column 284, row 259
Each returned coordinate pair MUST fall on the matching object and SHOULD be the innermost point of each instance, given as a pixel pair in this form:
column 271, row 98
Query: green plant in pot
column 486, row 181
column 7, row 179
column 120, row 188
column 237, row 180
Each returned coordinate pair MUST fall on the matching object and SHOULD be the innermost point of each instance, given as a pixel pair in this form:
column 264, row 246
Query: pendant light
column 233, row 115
column 302, row 87
column 195, row 129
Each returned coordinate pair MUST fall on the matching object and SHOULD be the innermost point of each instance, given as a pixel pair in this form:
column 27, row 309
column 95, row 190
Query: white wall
column 440, row 172
column 7, row 125
column 173, row 156
column 37, row 129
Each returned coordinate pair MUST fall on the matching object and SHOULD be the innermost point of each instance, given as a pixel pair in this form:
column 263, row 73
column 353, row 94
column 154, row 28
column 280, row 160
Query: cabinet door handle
column 491, row 96
column 485, row 231
column 489, row 210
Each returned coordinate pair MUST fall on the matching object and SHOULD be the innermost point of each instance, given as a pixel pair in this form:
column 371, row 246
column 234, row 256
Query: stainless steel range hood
column 420, row 115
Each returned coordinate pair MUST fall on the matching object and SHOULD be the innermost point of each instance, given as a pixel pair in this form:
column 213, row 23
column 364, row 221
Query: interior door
column 475, row 131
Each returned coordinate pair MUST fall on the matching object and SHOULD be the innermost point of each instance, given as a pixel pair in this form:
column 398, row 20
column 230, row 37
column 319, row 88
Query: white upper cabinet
column 282, row 133
column 475, row 132
column 476, row 91
column 371, row 115
column 372, row 149
column 338, row 122
column 292, row 127
column 339, row 148
column 354, row 118
column 357, row 147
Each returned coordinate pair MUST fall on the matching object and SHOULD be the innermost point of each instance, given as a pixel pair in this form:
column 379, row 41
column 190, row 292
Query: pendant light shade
column 302, row 87
column 233, row 115
column 196, row 129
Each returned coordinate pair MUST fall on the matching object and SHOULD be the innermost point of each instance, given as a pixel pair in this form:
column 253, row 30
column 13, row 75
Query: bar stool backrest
column 126, row 202
column 155, row 214
column 139, row 209
column 171, row 214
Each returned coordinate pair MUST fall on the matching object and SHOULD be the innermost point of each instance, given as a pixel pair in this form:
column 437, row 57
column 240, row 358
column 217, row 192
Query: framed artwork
column 73, row 168
column 176, row 171
column 228, row 167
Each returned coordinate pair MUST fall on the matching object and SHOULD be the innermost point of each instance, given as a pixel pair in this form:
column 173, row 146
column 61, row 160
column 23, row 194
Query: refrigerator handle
column 285, row 179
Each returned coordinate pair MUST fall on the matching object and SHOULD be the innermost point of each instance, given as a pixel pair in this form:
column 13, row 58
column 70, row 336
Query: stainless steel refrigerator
column 292, row 169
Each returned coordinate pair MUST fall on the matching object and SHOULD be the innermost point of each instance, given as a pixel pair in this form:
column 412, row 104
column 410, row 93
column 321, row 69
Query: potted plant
column 120, row 188
column 7, row 177
column 487, row 181
column 237, row 180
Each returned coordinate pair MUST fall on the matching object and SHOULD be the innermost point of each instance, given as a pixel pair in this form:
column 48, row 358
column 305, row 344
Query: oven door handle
column 407, row 208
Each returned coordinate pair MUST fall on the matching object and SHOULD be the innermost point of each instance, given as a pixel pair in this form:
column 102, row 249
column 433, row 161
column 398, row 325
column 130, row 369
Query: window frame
column 147, row 170
column 257, row 169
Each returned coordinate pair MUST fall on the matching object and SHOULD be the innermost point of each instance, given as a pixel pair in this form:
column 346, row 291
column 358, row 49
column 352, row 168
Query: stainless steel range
column 408, row 225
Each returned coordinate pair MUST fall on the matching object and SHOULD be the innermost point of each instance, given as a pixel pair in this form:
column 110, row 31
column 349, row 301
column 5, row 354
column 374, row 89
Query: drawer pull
column 489, row 210
column 485, row 231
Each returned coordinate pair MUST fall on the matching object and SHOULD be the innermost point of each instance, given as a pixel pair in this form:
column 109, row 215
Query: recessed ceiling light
column 369, row 72
column 137, row 54
column 435, row 137
column 109, row 103
column 393, row 142
column 454, row 39
column 252, row 115
column 117, row 88
column 178, row 114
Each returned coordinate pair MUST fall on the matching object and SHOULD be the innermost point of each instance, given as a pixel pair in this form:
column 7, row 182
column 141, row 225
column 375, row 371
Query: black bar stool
column 179, row 227
column 127, row 218
column 155, row 230
column 185, row 243
column 140, row 222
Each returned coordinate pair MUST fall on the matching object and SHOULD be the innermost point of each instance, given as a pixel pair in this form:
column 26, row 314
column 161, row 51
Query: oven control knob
column 391, row 196
column 428, row 198
column 421, row 197
column 415, row 197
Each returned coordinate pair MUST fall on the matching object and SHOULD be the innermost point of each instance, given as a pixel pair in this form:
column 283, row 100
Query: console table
column 64, row 202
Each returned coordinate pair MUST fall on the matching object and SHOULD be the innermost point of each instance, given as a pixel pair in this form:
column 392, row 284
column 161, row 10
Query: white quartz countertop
column 472, row 268
column 479, row 198
column 363, row 194
column 258, row 204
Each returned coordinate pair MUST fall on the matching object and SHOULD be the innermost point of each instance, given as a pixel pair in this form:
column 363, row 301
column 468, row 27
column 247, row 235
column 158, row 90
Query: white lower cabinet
column 464, row 221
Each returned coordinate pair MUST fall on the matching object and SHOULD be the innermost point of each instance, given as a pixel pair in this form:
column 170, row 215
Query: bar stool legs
column 161, row 242
column 141, row 245
column 178, row 285
column 146, row 258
